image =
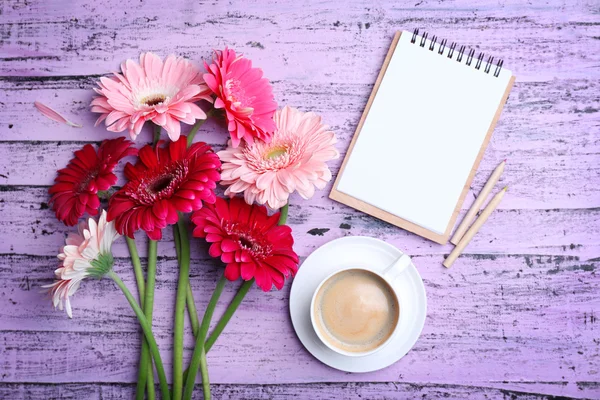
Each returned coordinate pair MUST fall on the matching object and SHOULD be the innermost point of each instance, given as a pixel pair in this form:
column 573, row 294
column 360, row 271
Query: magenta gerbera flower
column 248, row 241
column 165, row 180
column 153, row 90
column 76, row 187
column 244, row 94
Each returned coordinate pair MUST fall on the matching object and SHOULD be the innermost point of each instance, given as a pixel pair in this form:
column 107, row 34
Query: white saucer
column 358, row 251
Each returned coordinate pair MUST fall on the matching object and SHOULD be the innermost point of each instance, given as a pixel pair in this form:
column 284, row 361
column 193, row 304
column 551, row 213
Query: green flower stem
column 193, row 312
column 150, row 385
column 243, row 290
column 182, row 285
column 204, row 373
column 189, row 299
column 137, row 268
column 177, row 241
column 199, row 355
column 145, row 374
column 147, row 328
column 197, row 126
column 231, row 309
column 149, row 303
column 283, row 214
column 157, row 130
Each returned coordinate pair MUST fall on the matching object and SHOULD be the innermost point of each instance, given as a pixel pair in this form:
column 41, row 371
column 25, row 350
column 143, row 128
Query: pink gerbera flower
column 295, row 160
column 164, row 181
column 248, row 240
column 244, row 94
column 153, row 90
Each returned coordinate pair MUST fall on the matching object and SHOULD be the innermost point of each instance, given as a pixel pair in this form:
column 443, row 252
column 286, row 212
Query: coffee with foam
column 356, row 311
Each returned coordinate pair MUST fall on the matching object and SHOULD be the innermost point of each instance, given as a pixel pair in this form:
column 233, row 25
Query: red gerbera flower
column 244, row 94
column 163, row 181
column 77, row 185
column 249, row 241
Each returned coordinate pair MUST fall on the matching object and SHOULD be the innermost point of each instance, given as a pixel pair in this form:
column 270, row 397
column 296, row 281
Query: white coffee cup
column 388, row 275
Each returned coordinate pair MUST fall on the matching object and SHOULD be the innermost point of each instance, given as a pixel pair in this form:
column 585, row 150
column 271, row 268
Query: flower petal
column 53, row 115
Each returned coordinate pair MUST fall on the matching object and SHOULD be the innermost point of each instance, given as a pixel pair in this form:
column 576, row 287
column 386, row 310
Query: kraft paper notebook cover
column 422, row 134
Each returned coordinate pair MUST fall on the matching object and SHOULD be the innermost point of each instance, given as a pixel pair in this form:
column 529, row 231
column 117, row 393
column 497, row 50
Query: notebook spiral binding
column 460, row 52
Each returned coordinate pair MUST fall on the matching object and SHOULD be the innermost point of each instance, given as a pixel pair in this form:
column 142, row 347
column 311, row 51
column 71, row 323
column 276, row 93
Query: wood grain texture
column 559, row 231
column 499, row 333
column 516, row 317
column 318, row 391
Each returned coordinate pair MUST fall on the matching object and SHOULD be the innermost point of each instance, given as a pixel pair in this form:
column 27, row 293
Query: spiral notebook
column 423, row 133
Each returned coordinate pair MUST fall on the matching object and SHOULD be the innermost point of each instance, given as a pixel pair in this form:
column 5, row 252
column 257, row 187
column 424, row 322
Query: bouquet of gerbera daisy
column 270, row 154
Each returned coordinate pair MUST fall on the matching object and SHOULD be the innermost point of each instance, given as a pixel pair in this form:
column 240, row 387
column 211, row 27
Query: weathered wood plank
column 528, row 319
column 22, row 288
column 554, row 117
column 39, row 39
column 564, row 180
column 315, row 391
column 27, row 220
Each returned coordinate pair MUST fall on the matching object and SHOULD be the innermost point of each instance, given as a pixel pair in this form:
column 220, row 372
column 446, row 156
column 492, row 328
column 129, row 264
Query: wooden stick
column 487, row 211
column 487, row 188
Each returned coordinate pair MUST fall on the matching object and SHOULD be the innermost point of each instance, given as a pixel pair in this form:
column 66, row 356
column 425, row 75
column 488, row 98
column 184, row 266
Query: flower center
column 153, row 99
column 236, row 93
column 275, row 152
column 282, row 153
column 83, row 186
column 245, row 243
column 160, row 184
column 249, row 239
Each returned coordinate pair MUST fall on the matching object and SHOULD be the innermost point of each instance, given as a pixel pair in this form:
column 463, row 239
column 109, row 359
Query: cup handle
column 395, row 269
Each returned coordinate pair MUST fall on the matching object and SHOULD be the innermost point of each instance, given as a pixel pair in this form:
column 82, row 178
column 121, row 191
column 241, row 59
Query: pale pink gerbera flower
column 295, row 160
column 153, row 90
column 244, row 94
column 87, row 253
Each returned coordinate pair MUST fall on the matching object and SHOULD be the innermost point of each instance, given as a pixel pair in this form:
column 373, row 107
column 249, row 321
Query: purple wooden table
column 515, row 317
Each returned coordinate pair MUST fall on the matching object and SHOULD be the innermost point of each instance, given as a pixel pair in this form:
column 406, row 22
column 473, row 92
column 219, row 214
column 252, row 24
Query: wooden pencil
column 487, row 188
column 487, row 211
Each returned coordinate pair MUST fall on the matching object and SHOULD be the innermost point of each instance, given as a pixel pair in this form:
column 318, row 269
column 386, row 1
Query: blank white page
column 423, row 133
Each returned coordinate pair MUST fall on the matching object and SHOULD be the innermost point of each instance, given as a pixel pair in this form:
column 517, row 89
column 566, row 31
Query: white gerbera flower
column 86, row 254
